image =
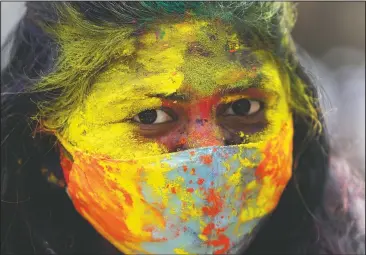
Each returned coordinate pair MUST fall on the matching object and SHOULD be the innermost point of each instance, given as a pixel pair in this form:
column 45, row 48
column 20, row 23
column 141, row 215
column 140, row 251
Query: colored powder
column 206, row 159
column 180, row 251
column 200, row 181
column 215, row 203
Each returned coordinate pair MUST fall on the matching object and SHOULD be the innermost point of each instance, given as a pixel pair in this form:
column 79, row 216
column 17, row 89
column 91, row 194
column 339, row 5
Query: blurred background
column 331, row 39
column 333, row 35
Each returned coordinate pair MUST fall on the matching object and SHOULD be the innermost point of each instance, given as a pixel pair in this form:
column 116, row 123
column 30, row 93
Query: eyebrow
column 255, row 82
column 173, row 97
column 238, row 90
column 252, row 83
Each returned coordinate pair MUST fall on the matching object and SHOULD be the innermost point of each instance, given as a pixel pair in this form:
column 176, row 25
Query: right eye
column 151, row 117
column 244, row 107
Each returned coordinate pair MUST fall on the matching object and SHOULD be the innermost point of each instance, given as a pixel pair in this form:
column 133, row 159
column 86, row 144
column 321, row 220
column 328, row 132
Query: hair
column 57, row 50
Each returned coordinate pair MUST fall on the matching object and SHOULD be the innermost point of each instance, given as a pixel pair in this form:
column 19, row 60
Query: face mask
column 200, row 201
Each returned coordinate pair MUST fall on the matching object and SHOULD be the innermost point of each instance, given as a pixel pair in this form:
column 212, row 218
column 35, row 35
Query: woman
column 164, row 127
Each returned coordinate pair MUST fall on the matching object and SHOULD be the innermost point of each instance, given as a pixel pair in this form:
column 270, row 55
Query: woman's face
column 190, row 86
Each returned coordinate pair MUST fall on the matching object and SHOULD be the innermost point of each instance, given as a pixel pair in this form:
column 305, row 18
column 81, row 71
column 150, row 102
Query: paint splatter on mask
column 199, row 201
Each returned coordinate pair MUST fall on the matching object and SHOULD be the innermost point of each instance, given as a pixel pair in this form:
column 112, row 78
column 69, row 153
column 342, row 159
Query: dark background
column 324, row 25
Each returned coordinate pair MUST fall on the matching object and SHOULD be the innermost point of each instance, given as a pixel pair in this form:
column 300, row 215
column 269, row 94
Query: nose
column 203, row 132
column 201, row 129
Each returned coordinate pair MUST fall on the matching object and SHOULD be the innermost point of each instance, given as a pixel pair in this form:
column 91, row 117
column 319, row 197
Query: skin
column 192, row 73
column 171, row 71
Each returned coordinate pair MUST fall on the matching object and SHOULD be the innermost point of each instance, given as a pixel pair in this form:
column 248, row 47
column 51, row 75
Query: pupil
column 241, row 107
column 148, row 116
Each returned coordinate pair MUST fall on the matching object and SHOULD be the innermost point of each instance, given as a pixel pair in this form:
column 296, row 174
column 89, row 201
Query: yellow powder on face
column 102, row 124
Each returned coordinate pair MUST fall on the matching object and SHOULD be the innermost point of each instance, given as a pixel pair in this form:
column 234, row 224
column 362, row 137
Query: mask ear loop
column 67, row 192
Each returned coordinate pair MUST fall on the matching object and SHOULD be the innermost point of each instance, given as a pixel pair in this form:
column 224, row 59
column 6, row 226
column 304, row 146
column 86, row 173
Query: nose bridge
column 202, row 130
column 201, row 110
column 203, row 133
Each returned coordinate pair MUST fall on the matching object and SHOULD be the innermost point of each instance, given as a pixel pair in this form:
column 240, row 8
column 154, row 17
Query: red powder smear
column 192, row 153
column 277, row 163
column 214, row 149
column 185, row 168
column 182, row 141
column 193, row 171
column 232, row 51
column 174, row 191
column 190, row 190
column 114, row 186
column 206, row 159
column 127, row 196
column 216, row 203
column 208, row 229
column 222, row 240
column 200, row 181
column 203, row 108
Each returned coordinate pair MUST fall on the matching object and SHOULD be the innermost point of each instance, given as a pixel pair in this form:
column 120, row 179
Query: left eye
column 244, row 107
column 152, row 117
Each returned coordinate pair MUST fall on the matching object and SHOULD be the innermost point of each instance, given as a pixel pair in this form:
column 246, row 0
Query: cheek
column 174, row 139
column 275, row 170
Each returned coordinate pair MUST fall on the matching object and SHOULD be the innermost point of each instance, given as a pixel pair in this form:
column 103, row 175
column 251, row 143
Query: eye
column 244, row 107
column 150, row 117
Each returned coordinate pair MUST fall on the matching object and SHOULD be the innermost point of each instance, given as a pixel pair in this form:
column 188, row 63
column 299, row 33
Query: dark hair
column 37, row 215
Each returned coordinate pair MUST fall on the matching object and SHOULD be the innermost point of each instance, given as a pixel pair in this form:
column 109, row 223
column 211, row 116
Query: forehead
column 193, row 56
